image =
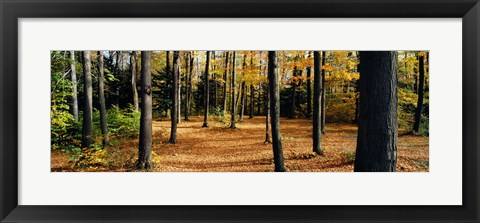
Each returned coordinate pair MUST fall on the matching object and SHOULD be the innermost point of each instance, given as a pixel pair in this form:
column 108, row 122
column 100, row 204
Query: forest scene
column 239, row 111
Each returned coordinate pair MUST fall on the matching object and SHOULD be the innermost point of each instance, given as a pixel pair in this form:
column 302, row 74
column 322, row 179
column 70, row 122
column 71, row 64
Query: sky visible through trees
column 240, row 111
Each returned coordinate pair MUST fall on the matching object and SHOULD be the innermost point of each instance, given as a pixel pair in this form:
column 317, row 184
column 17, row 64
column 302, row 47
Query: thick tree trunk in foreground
column 317, row 89
column 225, row 83
column 87, row 129
column 275, row 111
column 176, row 97
column 232, row 125
column 377, row 124
column 74, row 86
column 206, row 93
column 133, row 71
column 418, row 111
column 101, row 97
column 324, row 58
column 145, row 144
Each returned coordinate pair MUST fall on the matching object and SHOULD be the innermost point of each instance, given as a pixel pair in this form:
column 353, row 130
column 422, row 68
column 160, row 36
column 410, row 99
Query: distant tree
column 232, row 125
column 101, row 97
column 252, row 100
column 87, row 130
column 418, row 110
column 273, row 81
column 145, row 144
column 322, row 115
column 294, row 94
column 73, row 75
column 242, row 90
column 225, row 83
column 317, row 89
column 377, row 123
column 176, row 97
column 133, row 70
column 207, row 92
column 309, row 90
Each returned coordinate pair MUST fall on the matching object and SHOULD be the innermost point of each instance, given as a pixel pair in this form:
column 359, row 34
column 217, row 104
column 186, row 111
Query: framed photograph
column 228, row 111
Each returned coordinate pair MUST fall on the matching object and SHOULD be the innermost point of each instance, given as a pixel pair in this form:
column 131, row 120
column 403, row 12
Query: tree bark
column 225, row 83
column 101, row 96
column 322, row 115
column 309, row 91
column 377, row 124
column 74, row 86
column 418, row 111
column 87, row 130
column 275, row 111
column 179, row 86
column 232, row 118
column 317, row 94
column 176, row 97
column 207, row 92
column 133, row 70
column 215, row 82
column 252, row 100
column 145, row 144
column 294, row 92
column 188, row 84
column 267, row 119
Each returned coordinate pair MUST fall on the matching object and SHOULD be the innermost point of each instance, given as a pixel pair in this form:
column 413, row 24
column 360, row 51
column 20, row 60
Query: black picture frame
column 11, row 11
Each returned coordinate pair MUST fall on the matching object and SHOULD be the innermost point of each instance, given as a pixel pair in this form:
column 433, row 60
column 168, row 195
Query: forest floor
column 220, row 149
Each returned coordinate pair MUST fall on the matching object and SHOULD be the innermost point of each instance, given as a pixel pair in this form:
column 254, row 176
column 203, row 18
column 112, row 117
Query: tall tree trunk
column 323, row 100
column 101, row 96
column 87, row 129
column 145, row 144
column 215, row 81
column 179, row 87
column 188, row 83
column 317, row 94
column 116, row 73
column 242, row 102
column 133, row 70
column 176, row 97
column 377, row 124
column 207, row 92
column 418, row 111
column 74, row 86
column 267, row 119
column 259, row 98
column 275, row 111
column 252, row 100
column 167, row 55
column 232, row 125
column 294, row 92
column 309, row 91
column 225, row 83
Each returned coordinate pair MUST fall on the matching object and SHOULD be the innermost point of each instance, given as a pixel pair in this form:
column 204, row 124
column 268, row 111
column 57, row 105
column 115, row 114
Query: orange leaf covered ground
column 220, row 149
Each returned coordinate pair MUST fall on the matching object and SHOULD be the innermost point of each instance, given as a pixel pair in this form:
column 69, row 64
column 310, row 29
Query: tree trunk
column 252, row 100
column 418, row 111
column 179, row 86
column 377, row 124
column 294, row 91
column 133, row 70
column 145, row 144
column 317, row 94
column 215, row 82
column 309, row 92
column 207, row 92
column 225, row 83
column 87, row 130
column 74, row 86
column 188, row 84
column 232, row 125
column 275, row 111
column 323, row 100
column 242, row 101
column 267, row 119
column 101, row 96
column 176, row 97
